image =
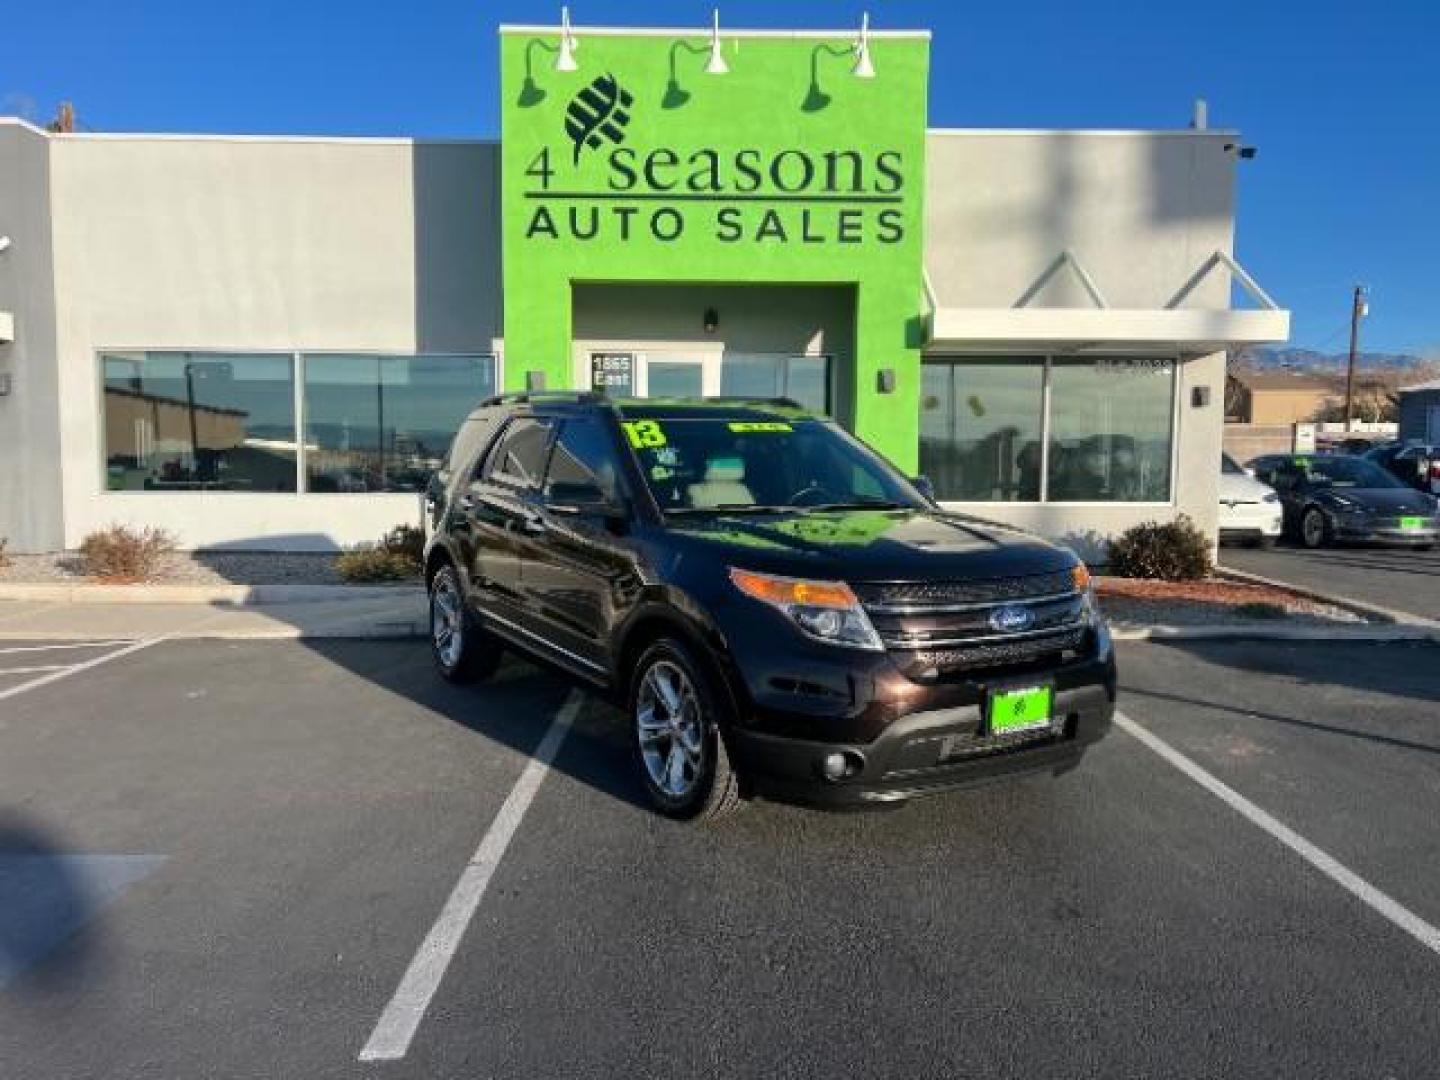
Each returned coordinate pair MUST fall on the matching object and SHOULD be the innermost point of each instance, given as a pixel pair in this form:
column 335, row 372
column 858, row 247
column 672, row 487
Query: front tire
column 1314, row 529
column 464, row 652
column 675, row 715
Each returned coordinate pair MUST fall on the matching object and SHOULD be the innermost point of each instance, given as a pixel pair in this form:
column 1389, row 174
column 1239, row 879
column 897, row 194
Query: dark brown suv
column 778, row 610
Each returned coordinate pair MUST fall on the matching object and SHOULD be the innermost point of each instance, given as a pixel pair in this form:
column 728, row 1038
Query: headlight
column 1270, row 497
column 824, row 610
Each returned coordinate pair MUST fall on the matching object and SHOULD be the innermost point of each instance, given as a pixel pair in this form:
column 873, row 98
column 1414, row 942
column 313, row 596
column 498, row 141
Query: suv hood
column 869, row 545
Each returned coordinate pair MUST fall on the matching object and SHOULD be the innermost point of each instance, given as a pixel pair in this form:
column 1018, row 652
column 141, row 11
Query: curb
column 1358, row 607
column 1246, row 632
column 231, row 595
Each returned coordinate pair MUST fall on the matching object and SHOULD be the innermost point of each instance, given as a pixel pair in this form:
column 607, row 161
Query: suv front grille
column 945, row 627
column 906, row 595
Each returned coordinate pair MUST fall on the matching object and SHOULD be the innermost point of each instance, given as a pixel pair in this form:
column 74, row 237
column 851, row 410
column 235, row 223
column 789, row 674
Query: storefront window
column 199, row 422
column 383, row 423
column 1110, row 429
column 980, row 429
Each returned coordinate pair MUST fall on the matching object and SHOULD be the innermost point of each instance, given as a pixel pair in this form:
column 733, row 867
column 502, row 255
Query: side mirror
column 923, row 485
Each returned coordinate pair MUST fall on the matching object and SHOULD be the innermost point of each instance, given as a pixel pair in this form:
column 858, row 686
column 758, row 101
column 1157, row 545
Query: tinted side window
column 519, row 458
column 584, row 455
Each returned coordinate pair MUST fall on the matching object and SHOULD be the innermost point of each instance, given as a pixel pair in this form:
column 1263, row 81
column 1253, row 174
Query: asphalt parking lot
column 1400, row 579
column 221, row 858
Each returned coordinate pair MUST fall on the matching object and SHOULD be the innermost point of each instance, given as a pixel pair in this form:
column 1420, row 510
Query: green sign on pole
column 640, row 166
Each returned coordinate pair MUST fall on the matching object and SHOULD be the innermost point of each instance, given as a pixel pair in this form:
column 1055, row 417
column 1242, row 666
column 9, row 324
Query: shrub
column 4, row 559
column 121, row 553
column 1173, row 551
column 407, row 541
column 368, row 563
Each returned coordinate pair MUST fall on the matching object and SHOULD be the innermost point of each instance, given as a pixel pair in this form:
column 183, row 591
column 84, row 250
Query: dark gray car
column 1332, row 498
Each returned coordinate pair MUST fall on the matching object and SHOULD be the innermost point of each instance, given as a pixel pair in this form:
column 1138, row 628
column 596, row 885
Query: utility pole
column 1359, row 308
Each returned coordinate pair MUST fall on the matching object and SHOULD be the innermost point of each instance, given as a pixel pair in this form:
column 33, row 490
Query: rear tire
column 676, row 717
column 464, row 651
column 1314, row 529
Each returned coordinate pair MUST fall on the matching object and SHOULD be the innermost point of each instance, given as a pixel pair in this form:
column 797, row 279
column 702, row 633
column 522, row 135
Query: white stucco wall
column 30, row 515
column 261, row 244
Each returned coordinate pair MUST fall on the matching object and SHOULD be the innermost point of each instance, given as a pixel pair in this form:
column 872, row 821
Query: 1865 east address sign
column 602, row 181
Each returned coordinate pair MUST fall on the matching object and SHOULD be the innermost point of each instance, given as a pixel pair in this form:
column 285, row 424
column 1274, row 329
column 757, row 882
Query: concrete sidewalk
column 400, row 614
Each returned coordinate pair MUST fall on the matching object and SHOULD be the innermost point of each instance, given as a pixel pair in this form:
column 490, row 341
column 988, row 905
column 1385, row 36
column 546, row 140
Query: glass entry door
column 679, row 375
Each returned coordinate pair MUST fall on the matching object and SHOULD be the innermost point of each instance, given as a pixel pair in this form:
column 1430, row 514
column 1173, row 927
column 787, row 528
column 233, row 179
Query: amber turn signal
column 781, row 590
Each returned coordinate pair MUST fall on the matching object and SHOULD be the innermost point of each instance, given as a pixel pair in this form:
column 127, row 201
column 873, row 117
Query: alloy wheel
column 671, row 729
column 447, row 629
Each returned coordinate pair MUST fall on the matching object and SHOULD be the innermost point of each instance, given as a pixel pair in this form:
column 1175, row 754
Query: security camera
column 1245, row 152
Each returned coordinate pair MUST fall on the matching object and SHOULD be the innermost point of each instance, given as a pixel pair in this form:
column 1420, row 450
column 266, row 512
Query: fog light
column 841, row 765
column 834, row 766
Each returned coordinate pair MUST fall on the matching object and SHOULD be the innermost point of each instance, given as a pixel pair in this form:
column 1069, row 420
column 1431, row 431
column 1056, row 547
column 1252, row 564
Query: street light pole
column 1359, row 308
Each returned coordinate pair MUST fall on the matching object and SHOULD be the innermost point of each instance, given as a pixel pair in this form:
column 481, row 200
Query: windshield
column 698, row 465
column 1346, row 472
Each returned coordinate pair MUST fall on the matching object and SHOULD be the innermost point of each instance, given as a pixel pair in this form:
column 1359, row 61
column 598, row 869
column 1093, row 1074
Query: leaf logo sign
column 597, row 114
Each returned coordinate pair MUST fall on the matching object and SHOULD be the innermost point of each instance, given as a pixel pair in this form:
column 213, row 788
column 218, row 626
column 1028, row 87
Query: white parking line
column 34, row 669
column 65, row 645
column 1327, row 864
column 397, row 1024
column 75, row 669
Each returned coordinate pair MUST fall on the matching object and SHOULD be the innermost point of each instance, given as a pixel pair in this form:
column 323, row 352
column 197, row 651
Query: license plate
column 1412, row 523
column 1021, row 709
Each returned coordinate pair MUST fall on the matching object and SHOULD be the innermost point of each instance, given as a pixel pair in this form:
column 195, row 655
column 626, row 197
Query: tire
column 676, row 713
column 463, row 651
column 1424, row 547
column 1314, row 529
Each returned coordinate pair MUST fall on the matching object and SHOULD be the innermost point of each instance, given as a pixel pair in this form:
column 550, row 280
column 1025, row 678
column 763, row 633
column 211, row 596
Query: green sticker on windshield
column 644, row 434
column 750, row 426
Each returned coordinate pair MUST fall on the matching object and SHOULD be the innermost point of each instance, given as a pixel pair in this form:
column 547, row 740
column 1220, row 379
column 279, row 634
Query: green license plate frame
column 1014, row 710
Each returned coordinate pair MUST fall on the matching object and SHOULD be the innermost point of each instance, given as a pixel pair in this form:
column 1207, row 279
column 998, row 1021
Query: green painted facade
column 640, row 167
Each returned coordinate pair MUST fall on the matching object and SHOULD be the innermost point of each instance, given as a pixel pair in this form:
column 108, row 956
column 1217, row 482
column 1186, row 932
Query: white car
column 1250, row 511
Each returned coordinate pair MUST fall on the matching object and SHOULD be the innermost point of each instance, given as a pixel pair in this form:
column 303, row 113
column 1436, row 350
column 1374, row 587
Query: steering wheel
column 812, row 494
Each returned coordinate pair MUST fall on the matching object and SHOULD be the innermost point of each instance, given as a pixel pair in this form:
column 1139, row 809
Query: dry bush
column 121, row 553
column 1170, row 551
column 368, row 564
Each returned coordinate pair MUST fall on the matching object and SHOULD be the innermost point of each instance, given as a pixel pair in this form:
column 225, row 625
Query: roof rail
column 523, row 397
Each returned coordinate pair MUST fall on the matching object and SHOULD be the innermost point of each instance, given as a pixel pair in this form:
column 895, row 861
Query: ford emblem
column 1011, row 619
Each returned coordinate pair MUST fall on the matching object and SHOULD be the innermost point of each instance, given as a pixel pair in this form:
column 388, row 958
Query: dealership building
column 260, row 342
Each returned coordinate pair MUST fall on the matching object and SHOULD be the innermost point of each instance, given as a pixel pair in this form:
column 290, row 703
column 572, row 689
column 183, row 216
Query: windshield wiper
column 860, row 504
column 733, row 508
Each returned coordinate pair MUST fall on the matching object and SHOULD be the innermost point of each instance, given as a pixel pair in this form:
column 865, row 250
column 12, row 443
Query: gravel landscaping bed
column 1132, row 601
column 191, row 568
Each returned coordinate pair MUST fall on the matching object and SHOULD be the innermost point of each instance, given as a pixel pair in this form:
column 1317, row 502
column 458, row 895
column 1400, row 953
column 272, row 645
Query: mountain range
column 1308, row 360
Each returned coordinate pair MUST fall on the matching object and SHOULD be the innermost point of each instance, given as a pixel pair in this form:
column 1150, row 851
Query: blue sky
column 1341, row 99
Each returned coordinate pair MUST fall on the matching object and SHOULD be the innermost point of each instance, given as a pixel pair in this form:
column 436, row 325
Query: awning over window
column 1173, row 328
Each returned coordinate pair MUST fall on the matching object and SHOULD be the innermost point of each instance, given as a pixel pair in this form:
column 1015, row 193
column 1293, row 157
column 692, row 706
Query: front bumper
column 937, row 743
column 1363, row 531
column 1257, row 520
